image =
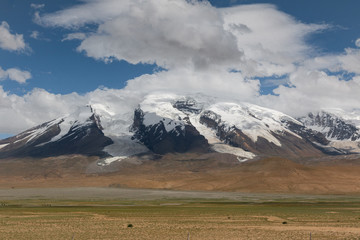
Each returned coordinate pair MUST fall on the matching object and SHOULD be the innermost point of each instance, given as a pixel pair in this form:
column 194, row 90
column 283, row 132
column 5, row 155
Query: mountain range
column 172, row 123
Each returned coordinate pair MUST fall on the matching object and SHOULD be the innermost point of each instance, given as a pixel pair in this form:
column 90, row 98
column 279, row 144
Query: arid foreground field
column 72, row 197
column 157, row 214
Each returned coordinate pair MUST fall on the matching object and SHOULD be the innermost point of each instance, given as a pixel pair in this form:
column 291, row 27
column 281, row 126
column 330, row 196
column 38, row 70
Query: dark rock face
column 181, row 139
column 317, row 139
column 85, row 139
column 187, row 106
column 88, row 140
column 306, row 133
column 337, row 128
column 17, row 141
column 290, row 144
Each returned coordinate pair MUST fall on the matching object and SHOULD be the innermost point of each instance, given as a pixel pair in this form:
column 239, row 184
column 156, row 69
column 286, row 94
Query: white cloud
column 198, row 45
column 357, row 42
column 9, row 41
column 348, row 61
column 272, row 41
column 259, row 40
column 213, row 82
column 19, row 113
column 37, row 18
column 74, row 36
column 168, row 33
column 15, row 74
column 39, row 36
column 308, row 91
column 22, row 112
column 35, row 34
column 18, row 75
column 37, row 6
column 3, row 74
column 313, row 90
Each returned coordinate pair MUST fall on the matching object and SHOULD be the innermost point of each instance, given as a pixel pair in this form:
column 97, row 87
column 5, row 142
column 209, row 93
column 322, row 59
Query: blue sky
column 325, row 29
column 58, row 68
column 55, row 65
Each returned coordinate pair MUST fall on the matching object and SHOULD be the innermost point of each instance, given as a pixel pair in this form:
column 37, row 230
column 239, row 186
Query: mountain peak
column 169, row 122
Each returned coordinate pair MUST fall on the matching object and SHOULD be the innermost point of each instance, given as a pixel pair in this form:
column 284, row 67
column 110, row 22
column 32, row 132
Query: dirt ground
column 187, row 172
column 132, row 194
column 179, row 219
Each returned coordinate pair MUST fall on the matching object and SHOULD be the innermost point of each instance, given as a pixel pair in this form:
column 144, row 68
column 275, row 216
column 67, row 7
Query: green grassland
column 180, row 219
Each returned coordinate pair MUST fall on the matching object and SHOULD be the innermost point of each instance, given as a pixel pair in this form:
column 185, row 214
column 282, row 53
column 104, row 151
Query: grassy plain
column 259, row 217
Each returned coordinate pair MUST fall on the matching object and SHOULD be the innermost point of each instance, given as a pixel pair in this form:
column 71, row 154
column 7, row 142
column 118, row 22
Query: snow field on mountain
column 3, row 145
column 216, row 144
column 158, row 108
column 124, row 146
column 38, row 132
column 252, row 120
column 81, row 117
column 116, row 123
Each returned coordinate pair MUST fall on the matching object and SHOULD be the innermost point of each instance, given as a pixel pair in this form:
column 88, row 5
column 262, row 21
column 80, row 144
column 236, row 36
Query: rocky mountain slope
column 341, row 129
column 78, row 133
column 169, row 123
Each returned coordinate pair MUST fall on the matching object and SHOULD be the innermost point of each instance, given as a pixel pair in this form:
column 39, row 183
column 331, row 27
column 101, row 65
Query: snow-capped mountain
column 79, row 132
column 333, row 126
column 165, row 122
column 184, row 123
column 340, row 128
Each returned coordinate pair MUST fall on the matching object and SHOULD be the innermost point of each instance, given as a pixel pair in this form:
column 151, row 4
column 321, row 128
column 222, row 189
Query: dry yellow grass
column 175, row 219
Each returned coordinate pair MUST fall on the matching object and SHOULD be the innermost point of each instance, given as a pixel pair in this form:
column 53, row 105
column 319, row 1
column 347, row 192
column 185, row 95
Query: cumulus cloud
column 214, row 82
column 348, row 61
column 220, row 52
column 327, row 81
column 314, row 90
column 168, row 33
column 15, row 74
column 273, row 42
column 9, row 41
column 19, row 113
column 259, row 40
